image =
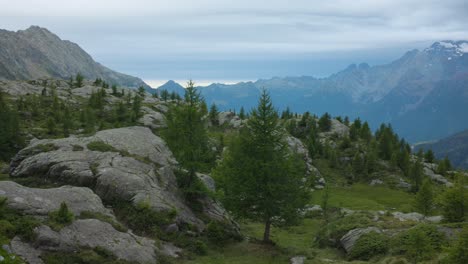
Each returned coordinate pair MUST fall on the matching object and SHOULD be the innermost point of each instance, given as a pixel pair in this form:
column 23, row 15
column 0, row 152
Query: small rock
column 297, row 260
column 172, row 228
column 403, row 184
column 416, row 217
column 376, row 182
column 7, row 248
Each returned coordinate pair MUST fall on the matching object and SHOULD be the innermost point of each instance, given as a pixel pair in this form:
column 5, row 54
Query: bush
column 6, row 229
column 24, row 227
column 369, row 245
column 220, row 233
column 101, row 146
column 104, row 218
column 62, row 216
column 199, row 247
column 458, row 254
column 94, row 256
column 142, row 218
column 418, row 243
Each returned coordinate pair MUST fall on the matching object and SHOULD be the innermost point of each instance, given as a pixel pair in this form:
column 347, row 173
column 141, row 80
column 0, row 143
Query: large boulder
column 92, row 233
column 337, row 128
column 25, row 251
column 349, row 239
column 138, row 168
column 40, row 202
column 429, row 169
column 229, row 118
column 152, row 118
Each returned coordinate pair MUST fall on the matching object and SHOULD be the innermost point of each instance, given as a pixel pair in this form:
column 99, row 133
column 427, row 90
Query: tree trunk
column 266, row 234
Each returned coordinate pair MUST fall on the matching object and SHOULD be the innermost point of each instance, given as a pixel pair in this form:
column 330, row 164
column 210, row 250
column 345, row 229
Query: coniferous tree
column 424, row 202
column 429, row 156
column 173, row 96
column 141, row 92
column 458, row 254
column 79, row 80
column 260, row 177
column 242, row 113
column 416, row 174
column 67, row 122
column 365, row 132
column 10, row 133
column 213, row 114
column 187, row 138
column 324, row 122
column 164, row 95
column 114, row 90
column 455, row 202
column 51, row 126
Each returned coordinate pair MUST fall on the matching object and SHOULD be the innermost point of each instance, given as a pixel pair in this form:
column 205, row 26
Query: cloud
column 164, row 30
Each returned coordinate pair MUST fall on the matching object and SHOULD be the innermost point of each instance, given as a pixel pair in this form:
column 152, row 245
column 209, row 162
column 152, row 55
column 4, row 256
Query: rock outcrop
column 337, row 128
column 92, row 233
column 40, row 202
column 136, row 166
column 229, row 118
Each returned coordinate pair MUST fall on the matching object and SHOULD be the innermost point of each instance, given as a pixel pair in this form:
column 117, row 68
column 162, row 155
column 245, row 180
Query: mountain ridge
column 36, row 53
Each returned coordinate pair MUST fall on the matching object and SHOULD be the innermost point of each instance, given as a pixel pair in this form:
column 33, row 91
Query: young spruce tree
column 187, row 138
column 260, row 177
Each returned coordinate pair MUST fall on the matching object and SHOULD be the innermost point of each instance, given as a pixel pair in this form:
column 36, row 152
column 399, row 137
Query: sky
column 230, row 41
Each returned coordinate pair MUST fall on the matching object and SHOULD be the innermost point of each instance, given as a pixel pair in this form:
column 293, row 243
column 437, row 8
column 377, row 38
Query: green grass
column 366, row 197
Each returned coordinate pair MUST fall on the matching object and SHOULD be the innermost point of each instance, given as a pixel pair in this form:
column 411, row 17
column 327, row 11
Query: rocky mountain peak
column 448, row 47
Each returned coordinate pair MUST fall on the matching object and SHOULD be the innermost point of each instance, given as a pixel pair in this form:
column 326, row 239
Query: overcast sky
column 216, row 40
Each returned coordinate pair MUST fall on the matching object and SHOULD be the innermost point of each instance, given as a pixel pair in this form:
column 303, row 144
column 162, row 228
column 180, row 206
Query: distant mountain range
column 37, row 53
column 423, row 94
column 454, row 147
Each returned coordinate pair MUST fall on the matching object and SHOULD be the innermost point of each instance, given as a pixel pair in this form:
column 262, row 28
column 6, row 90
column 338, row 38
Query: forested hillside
column 96, row 173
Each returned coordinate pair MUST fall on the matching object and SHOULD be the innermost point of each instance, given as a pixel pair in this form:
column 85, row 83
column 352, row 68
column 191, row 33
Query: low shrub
column 220, row 233
column 101, row 147
column 418, row 243
column 369, row 245
column 62, row 216
column 104, row 218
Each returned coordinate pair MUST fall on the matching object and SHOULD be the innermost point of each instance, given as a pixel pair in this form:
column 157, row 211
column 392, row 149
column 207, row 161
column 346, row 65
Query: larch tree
column 260, row 177
column 187, row 138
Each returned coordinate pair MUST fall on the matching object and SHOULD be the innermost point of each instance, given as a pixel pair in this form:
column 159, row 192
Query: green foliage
column 220, row 233
column 242, row 113
column 62, row 216
column 141, row 92
column 324, row 122
column 79, row 80
column 187, row 137
column 418, row 243
column 424, row 201
column 213, row 114
column 416, row 174
column 141, row 218
column 369, row 245
column 455, row 203
column 87, row 256
column 260, row 179
column 429, row 156
column 458, row 253
column 199, row 247
column 103, row 218
column 443, row 166
column 101, row 147
column 11, row 139
column 164, row 94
